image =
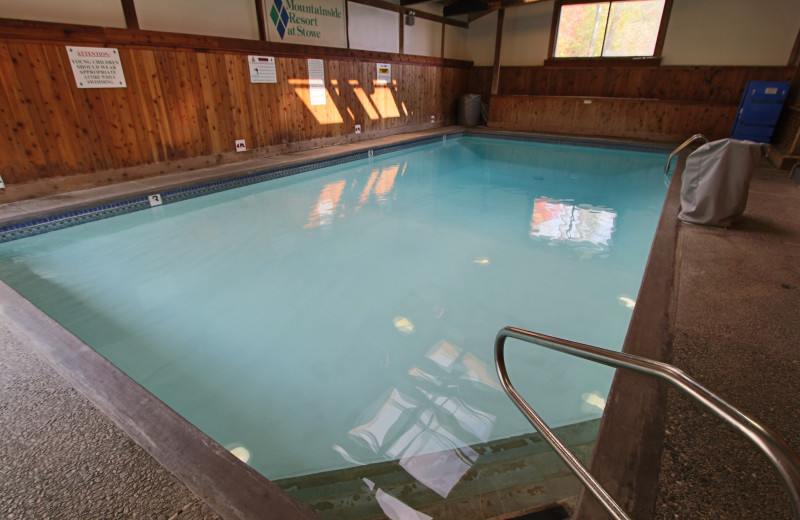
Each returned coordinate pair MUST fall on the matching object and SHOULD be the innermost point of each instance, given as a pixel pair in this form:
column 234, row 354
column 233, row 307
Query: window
column 622, row 28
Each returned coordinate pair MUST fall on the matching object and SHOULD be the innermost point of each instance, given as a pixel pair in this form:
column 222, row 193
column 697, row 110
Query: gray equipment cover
column 716, row 181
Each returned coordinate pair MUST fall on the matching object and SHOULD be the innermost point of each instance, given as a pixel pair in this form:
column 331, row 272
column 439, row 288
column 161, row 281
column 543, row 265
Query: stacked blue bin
column 759, row 110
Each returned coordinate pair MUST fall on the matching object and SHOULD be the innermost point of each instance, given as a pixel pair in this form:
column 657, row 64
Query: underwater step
column 503, row 478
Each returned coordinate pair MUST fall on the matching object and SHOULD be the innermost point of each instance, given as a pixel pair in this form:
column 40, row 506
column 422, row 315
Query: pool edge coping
column 627, row 455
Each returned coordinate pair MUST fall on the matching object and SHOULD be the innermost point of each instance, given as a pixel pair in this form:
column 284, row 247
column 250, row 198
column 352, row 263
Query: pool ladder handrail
column 677, row 150
column 783, row 458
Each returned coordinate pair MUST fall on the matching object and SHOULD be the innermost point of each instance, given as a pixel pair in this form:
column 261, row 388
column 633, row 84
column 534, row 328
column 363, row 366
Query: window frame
column 655, row 59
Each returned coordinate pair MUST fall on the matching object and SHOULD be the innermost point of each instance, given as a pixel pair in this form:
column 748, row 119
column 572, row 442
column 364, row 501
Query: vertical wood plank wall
column 184, row 104
column 645, row 102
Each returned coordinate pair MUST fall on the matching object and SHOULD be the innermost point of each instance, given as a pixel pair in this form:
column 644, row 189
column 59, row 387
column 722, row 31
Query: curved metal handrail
column 677, row 150
column 783, row 458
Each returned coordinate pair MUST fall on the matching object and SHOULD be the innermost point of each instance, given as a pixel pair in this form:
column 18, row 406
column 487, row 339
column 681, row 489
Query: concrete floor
column 62, row 459
column 735, row 332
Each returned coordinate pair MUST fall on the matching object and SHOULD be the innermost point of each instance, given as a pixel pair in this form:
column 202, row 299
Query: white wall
column 734, row 32
column 231, row 18
column 105, row 13
column 526, row 34
column 424, row 38
column 480, row 42
column 455, row 43
column 373, row 29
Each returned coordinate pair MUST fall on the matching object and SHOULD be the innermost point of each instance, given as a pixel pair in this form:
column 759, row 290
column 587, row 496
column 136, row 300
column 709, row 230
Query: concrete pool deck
column 736, row 288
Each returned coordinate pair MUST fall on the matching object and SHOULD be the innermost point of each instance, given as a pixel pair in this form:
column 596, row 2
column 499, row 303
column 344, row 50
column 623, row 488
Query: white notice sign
column 262, row 69
column 384, row 72
column 316, row 81
column 96, row 67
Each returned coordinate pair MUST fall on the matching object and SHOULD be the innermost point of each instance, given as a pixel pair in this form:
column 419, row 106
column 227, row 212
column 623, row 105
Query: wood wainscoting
column 667, row 103
column 184, row 107
column 645, row 119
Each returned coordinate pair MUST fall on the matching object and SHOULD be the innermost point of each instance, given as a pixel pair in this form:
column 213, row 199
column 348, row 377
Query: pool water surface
column 346, row 316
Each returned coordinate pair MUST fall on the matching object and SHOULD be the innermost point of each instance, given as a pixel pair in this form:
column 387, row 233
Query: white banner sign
column 384, row 72
column 262, row 69
column 96, row 67
column 307, row 22
column 316, row 82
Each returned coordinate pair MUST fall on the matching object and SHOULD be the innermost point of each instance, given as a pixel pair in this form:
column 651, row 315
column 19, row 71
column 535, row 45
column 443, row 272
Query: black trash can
column 469, row 110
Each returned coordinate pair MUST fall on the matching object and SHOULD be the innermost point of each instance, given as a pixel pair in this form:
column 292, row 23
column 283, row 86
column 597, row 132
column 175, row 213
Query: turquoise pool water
column 346, row 316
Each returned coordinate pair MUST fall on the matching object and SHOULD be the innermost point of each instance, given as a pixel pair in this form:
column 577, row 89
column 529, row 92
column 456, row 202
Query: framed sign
column 96, row 67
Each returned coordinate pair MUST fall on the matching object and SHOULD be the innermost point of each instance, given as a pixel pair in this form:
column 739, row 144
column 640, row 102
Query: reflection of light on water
column 482, row 260
column 322, row 213
column 432, row 454
column 593, row 400
column 627, row 302
column 374, row 432
column 444, row 354
column 404, row 325
column 556, row 220
column 239, row 451
column 427, row 425
column 475, row 421
column 393, row 508
column 478, row 371
column 380, row 183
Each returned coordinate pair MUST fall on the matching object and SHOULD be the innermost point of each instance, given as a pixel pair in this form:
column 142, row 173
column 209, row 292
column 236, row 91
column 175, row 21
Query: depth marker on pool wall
column 155, row 200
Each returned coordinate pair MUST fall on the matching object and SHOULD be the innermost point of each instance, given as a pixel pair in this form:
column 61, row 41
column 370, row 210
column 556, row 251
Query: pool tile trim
column 45, row 225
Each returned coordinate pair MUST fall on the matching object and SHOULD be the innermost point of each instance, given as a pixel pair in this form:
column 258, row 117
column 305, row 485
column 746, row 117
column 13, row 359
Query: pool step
column 511, row 477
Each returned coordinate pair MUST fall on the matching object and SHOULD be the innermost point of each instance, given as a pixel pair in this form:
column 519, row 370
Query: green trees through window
column 608, row 29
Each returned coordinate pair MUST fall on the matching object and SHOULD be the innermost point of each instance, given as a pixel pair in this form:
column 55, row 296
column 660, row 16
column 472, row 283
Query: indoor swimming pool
column 344, row 317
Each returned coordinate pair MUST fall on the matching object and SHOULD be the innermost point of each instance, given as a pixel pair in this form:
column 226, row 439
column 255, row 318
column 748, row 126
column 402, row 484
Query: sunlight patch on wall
column 372, row 113
column 326, row 114
column 384, row 100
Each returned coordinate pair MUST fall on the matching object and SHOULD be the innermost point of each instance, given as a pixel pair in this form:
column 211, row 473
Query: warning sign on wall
column 384, row 72
column 262, row 69
column 96, row 67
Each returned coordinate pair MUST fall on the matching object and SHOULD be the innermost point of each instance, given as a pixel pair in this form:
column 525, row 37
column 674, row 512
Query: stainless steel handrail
column 677, row 150
column 783, row 458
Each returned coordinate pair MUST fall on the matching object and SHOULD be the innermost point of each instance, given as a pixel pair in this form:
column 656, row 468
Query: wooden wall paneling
column 131, row 117
column 479, row 81
column 23, row 148
column 333, row 83
column 668, row 121
column 301, row 99
column 277, row 125
column 208, row 86
column 239, row 110
column 115, row 131
column 307, row 118
column 58, row 85
column 241, row 81
column 345, row 99
column 257, row 93
column 201, row 116
column 48, row 99
column 153, row 92
column 141, row 96
column 223, row 97
column 27, row 59
column 285, row 93
column 175, row 110
column 190, row 122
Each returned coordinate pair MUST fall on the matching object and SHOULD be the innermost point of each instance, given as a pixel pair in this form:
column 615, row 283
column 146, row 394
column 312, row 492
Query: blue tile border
column 45, row 225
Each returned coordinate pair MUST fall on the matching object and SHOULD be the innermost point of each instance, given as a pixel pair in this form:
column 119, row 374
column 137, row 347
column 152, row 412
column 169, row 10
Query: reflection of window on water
column 555, row 220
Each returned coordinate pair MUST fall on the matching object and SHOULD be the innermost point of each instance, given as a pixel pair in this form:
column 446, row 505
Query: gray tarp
column 716, row 181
